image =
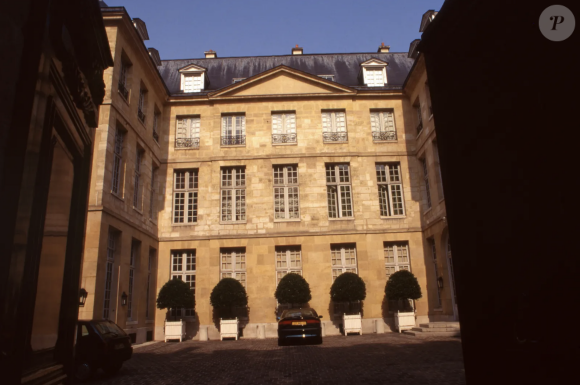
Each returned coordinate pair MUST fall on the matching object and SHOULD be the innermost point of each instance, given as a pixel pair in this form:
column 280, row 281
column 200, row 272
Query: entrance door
column 452, row 280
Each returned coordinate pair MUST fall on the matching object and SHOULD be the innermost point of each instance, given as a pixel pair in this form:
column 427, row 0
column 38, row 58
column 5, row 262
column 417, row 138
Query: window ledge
column 431, row 117
column 341, row 219
column 137, row 210
column 438, row 309
column 428, row 210
column 420, row 132
column 132, row 323
column 150, row 321
column 395, row 217
column 285, row 144
column 385, row 141
column 184, row 224
column 156, row 142
column 232, row 145
column 286, row 220
column 336, row 142
column 154, row 221
column 234, row 223
column 195, row 148
column 122, row 97
column 118, row 197
column 142, row 123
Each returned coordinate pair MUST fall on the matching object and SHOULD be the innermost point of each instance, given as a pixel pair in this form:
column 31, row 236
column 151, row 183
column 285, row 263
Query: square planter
column 228, row 328
column 174, row 330
column 404, row 321
column 352, row 323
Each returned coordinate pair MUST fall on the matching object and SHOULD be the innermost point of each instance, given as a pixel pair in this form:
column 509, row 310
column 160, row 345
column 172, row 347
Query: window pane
column 177, row 261
column 179, row 207
column 389, row 254
column 293, row 203
column 330, row 174
column 397, row 197
column 190, row 261
column 381, row 173
column 346, row 202
column 343, row 173
column 226, row 205
column 279, row 210
column 332, row 202
column 240, row 205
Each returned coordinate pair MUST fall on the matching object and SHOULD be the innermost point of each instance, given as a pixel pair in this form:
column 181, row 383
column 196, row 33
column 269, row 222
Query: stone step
column 432, row 334
column 436, row 325
column 435, row 330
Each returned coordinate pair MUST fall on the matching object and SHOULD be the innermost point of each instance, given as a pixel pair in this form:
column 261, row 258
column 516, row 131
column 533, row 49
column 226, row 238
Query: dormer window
column 327, row 77
column 237, row 80
column 374, row 73
column 193, row 78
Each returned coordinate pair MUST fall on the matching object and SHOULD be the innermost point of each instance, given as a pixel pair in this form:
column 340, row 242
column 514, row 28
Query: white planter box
column 404, row 321
column 228, row 328
column 174, row 330
column 352, row 324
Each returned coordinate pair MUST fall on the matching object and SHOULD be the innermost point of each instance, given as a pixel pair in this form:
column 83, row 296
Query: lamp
column 82, row 297
column 124, row 299
column 440, row 282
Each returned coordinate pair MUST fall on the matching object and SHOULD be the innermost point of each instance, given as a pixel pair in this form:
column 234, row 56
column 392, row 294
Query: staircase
column 435, row 329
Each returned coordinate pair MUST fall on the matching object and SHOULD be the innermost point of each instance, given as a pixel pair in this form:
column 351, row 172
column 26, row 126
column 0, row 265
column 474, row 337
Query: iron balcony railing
column 141, row 116
column 233, row 140
column 123, row 90
column 283, row 138
column 335, row 137
column 187, row 143
column 384, row 135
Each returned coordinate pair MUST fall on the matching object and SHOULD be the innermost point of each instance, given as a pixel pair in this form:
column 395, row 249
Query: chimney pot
column 211, row 54
column 297, row 50
column 384, row 48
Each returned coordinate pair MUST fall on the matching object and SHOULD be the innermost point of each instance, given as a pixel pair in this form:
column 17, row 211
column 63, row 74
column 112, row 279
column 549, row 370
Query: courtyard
column 388, row 358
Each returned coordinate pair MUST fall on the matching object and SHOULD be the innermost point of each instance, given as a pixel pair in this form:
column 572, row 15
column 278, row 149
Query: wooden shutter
column 290, row 125
column 277, row 124
column 375, row 122
column 326, row 122
column 340, row 122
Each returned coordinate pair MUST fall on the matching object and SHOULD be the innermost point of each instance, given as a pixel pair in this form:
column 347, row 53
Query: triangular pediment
column 282, row 80
column 374, row 62
column 192, row 68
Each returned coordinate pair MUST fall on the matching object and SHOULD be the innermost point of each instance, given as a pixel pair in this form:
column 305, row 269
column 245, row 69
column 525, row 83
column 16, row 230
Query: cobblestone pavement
column 369, row 359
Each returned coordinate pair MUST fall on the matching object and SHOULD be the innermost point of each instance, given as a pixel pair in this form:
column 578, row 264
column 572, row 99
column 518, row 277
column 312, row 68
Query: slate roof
column 345, row 68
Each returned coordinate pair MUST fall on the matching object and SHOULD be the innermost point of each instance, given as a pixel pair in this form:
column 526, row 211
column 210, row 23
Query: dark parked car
column 100, row 344
column 301, row 324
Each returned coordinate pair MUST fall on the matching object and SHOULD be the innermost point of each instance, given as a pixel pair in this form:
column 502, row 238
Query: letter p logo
column 556, row 22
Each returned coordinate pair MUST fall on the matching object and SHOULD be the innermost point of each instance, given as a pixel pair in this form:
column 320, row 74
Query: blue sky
column 182, row 29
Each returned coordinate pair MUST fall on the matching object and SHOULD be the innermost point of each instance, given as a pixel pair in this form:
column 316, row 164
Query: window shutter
column 276, row 124
column 195, row 123
column 389, row 121
column 375, row 122
column 181, row 129
column 326, row 122
column 226, row 125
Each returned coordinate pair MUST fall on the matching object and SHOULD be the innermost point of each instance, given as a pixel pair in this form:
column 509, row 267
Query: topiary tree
column 175, row 294
column 348, row 287
column 227, row 294
column 402, row 285
column 293, row 288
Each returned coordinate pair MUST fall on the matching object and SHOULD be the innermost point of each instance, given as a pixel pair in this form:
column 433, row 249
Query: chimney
column 384, row 48
column 211, row 54
column 155, row 56
column 297, row 50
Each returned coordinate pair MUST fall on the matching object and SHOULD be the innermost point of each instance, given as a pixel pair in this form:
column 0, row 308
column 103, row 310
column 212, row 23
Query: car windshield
column 298, row 313
column 109, row 328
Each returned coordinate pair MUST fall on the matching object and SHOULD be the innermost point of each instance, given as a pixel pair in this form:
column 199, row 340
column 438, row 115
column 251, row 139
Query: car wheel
column 318, row 340
column 112, row 369
column 84, row 371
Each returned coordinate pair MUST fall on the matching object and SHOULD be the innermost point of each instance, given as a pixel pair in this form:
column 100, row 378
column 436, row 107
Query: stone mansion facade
column 253, row 167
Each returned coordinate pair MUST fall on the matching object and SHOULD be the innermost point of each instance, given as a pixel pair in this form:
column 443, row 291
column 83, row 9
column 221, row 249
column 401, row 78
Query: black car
column 300, row 324
column 100, row 344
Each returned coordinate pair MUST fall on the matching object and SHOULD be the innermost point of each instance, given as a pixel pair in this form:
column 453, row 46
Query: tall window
column 233, row 264
column 374, row 77
column 438, row 168
column 135, row 246
column 343, row 259
column 156, row 117
column 137, row 184
column 192, row 83
column 417, row 108
column 150, row 265
column 183, row 267
column 111, row 245
column 117, row 161
column 152, row 195
column 426, row 181
column 334, row 126
column 390, row 189
column 284, row 128
column 288, row 260
column 396, row 258
column 286, row 203
column 185, row 191
column 233, row 194
column 123, row 77
column 142, row 103
column 435, row 270
column 187, row 134
column 383, row 125
column 233, row 130
column 339, row 193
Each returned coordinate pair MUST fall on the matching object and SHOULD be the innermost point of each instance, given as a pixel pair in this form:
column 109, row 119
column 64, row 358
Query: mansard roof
column 345, row 68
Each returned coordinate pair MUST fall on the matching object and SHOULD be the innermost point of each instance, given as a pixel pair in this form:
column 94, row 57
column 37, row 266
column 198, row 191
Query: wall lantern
column 440, row 282
column 82, row 297
column 123, row 299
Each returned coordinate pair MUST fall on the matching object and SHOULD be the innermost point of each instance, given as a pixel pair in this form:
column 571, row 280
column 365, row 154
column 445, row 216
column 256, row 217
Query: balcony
column 380, row 136
column 186, row 142
column 334, row 137
column 123, row 90
column 283, row 138
column 234, row 140
column 141, row 116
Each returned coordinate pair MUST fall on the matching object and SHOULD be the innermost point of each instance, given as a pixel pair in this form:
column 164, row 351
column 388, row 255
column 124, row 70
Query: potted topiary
column 175, row 294
column 349, row 287
column 401, row 288
column 293, row 291
column 228, row 294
